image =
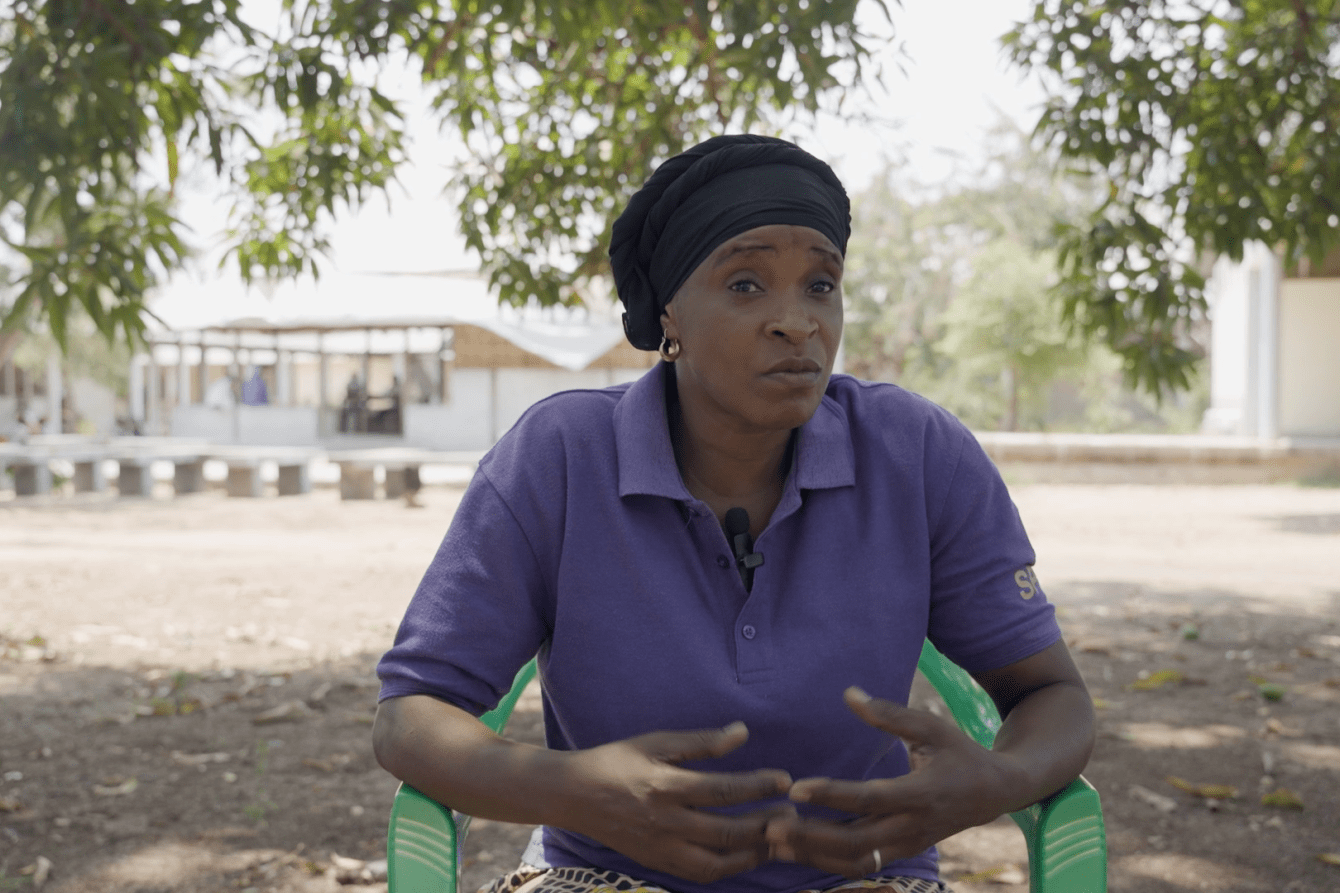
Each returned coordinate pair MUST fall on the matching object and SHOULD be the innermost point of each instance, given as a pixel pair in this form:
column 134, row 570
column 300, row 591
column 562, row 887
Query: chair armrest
column 424, row 838
column 1067, row 841
column 421, row 851
column 1067, row 844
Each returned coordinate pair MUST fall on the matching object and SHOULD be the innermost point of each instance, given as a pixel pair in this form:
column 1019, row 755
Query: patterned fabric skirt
column 529, row 879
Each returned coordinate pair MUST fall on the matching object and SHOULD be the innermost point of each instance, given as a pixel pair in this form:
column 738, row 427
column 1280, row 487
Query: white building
column 1275, row 348
column 464, row 369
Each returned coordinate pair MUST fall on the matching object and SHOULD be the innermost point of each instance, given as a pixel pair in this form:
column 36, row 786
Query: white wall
column 269, row 425
column 518, row 389
column 485, row 403
column 462, row 423
column 1309, row 364
column 96, row 403
column 1243, row 299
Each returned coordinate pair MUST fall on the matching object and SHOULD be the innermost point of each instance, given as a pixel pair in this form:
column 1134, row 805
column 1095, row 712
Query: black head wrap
column 705, row 196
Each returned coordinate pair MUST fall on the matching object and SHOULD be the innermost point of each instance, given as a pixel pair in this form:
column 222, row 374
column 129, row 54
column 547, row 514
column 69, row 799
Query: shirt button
column 748, row 632
column 723, row 562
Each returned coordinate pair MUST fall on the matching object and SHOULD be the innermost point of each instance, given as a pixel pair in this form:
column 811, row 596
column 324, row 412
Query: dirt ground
column 187, row 688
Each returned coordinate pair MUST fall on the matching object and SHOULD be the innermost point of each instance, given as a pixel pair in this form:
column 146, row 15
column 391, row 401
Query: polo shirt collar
column 646, row 458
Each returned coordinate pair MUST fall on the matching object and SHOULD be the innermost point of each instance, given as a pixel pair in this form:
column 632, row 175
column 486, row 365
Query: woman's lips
column 795, row 373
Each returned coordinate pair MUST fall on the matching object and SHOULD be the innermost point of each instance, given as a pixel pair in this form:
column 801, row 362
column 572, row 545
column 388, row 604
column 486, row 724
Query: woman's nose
column 794, row 321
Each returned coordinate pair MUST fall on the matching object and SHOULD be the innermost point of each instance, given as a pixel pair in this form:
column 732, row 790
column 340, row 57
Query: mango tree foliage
column 950, row 294
column 1006, row 336
column 914, row 247
column 562, row 108
column 1212, row 122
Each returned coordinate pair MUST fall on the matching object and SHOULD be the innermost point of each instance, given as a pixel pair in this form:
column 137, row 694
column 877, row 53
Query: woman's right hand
column 631, row 795
column 637, row 800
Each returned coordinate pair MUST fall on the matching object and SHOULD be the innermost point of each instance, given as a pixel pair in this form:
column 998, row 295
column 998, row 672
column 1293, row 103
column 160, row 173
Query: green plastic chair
column 1067, row 845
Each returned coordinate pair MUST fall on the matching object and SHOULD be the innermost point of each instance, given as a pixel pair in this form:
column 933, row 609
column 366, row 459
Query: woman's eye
column 744, row 286
column 823, row 287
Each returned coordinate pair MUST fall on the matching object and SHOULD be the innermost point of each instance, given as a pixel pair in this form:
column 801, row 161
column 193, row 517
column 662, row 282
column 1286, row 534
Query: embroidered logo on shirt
column 1027, row 581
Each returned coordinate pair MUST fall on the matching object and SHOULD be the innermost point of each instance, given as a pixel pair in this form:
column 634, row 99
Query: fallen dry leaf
column 999, row 874
column 126, row 787
column 1208, row 791
column 38, row 871
column 330, row 763
column 1329, row 858
column 1158, row 680
column 41, row 871
column 289, row 711
column 1275, row 727
column 199, row 759
column 1282, row 798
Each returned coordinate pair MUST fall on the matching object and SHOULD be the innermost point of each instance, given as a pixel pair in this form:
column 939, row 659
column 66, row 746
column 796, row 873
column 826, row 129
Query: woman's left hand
column 955, row 783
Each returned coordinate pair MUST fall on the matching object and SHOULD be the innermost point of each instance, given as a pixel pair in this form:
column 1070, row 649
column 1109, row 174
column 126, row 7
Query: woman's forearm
column 630, row 795
column 1048, row 731
column 454, row 758
column 1048, row 736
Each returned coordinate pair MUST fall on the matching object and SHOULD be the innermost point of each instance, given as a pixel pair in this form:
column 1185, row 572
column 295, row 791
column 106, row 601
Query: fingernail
column 735, row 728
column 858, row 694
column 799, row 795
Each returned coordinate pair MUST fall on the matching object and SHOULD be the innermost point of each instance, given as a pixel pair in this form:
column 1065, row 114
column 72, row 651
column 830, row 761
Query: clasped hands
column 650, row 809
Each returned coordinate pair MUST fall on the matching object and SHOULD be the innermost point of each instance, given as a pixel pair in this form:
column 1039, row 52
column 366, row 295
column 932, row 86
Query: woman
column 714, row 723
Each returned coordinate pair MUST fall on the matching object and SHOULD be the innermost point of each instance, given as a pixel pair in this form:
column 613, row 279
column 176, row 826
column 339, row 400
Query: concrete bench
column 29, row 466
column 135, row 457
column 135, row 467
column 88, row 467
column 400, row 467
column 244, row 469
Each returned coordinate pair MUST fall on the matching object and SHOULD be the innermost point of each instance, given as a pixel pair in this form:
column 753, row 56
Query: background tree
column 1005, row 334
column 562, row 108
column 1211, row 123
column 950, row 293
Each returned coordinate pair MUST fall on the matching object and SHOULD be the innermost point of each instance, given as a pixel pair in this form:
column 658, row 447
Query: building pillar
column 183, row 376
column 493, row 405
column 322, row 383
column 283, row 377
column 367, row 363
column 55, row 394
column 443, row 394
column 154, row 395
column 137, row 389
column 1267, row 331
column 204, row 368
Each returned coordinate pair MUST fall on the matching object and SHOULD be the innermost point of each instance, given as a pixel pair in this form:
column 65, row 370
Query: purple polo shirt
column 577, row 539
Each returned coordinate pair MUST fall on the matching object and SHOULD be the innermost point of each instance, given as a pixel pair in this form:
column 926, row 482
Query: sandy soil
column 186, row 687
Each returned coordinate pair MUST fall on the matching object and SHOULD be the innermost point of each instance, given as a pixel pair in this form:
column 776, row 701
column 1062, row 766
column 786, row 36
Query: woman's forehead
column 776, row 238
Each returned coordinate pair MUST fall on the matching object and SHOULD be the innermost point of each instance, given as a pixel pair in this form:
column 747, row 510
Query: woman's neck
column 726, row 469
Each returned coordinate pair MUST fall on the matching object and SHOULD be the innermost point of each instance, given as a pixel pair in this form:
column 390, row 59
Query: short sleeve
column 987, row 608
column 478, row 614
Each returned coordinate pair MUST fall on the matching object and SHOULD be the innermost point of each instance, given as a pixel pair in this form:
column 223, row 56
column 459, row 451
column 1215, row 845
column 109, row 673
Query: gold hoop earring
column 669, row 349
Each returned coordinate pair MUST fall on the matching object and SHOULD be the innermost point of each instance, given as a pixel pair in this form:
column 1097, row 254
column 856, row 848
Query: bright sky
column 955, row 79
